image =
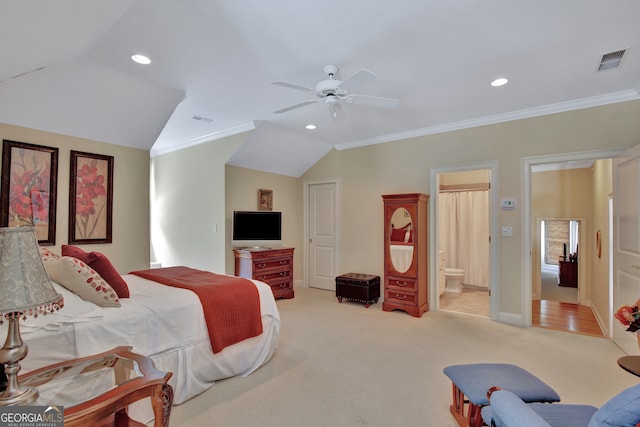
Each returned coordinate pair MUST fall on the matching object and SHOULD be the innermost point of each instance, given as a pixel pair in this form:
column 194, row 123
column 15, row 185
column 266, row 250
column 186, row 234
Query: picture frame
column 90, row 198
column 29, row 188
column 265, row 200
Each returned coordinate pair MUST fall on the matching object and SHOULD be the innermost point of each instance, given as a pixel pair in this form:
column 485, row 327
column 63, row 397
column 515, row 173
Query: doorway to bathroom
column 463, row 241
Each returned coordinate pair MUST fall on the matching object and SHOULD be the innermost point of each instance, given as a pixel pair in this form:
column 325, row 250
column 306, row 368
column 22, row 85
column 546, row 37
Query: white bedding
column 162, row 322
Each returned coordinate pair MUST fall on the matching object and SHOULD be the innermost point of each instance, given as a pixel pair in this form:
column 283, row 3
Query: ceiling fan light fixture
column 310, row 126
column 501, row 81
column 140, row 59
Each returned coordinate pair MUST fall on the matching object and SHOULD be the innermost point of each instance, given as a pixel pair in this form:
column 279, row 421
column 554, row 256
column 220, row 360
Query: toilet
column 453, row 279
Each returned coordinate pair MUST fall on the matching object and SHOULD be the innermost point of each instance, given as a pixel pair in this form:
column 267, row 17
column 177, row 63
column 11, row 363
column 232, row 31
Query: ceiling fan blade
column 293, row 107
column 294, row 86
column 356, row 79
column 374, row 101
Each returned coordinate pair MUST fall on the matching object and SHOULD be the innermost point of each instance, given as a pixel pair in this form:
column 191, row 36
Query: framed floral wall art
column 29, row 184
column 90, row 198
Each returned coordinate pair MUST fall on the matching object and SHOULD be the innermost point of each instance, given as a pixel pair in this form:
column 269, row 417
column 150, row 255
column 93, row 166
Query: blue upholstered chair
column 508, row 410
column 470, row 384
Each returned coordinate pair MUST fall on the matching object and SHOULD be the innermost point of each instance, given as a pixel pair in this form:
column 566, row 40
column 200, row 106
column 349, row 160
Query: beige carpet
column 345, row 365
column 551, row 291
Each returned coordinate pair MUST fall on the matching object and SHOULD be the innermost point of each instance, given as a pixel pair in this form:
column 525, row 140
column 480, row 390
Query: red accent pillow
column 101, row 264
column 74, row 251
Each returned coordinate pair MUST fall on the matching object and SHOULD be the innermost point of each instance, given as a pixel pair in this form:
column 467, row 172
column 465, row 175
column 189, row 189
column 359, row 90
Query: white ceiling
column 216, row 59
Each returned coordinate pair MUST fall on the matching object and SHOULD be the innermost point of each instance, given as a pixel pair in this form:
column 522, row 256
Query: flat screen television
column 256, row 229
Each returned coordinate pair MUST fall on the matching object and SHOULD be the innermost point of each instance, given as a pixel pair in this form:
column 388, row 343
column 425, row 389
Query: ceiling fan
column 333, row 92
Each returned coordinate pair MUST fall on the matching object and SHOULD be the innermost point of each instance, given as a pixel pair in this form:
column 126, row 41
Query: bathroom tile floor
column 470, row 301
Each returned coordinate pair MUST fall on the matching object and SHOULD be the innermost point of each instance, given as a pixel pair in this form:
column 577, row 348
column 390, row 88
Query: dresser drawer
column 393, row 296
column 273, row 253
column 266, row 264
column 271, row 266
column 402, row 284
column 281, row 288
column 272, row 275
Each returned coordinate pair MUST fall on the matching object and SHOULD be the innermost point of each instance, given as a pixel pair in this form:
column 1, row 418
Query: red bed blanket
column 231, row 305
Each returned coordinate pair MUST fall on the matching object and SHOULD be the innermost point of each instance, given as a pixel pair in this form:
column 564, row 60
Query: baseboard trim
column 511, row 319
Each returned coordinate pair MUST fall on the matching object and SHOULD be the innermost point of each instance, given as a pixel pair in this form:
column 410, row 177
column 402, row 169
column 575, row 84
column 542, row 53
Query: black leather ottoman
column 358, row 287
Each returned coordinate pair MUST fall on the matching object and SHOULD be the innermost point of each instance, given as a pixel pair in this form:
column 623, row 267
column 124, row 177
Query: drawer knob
column 284, row 285
column 284, row 262
column 401, row 296
column 284, row 273
column 261, row 265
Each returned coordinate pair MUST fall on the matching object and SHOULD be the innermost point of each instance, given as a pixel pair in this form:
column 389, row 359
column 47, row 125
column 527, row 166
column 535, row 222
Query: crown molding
column 206, row 138
column 578, row 104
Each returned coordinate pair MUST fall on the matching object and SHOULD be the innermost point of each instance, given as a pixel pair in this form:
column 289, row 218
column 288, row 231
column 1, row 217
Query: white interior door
column 626, row 240
column 322, row 245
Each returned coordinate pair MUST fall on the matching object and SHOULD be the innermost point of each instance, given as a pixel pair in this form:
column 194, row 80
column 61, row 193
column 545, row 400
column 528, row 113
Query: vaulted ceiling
column 66, row 67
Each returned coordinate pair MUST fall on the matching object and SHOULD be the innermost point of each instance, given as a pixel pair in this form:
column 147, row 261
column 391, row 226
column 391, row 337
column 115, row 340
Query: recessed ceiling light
column 140, row 59
column 499, row 82
column 310, row 126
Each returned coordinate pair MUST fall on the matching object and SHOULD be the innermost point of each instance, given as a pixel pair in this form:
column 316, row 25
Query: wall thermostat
column 508, row 203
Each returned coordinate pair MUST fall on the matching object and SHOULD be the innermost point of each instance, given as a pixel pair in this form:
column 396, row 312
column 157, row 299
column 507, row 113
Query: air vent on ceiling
column 611, row 60
column 23, row 74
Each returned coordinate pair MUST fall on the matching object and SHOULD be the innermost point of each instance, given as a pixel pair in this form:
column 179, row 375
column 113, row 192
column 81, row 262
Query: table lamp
column 25, row 290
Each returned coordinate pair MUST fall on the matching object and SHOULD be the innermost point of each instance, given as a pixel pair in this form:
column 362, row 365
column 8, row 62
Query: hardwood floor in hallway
column 564, row 316
column 557, row 315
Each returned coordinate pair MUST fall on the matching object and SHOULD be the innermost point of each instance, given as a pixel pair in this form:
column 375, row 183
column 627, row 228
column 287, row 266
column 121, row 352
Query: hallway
column 564, row 316
column 559, row 309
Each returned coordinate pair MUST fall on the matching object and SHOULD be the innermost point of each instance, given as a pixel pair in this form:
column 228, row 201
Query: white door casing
column 524, row 319
column 434, row 237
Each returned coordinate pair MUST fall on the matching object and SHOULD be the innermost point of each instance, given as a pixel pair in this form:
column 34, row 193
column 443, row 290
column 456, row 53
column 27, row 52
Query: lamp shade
column 25, row 287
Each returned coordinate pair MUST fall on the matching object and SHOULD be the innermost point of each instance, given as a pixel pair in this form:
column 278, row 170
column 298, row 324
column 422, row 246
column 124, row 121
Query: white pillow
column 46, row 253
column 75, row 310
column 82, row 280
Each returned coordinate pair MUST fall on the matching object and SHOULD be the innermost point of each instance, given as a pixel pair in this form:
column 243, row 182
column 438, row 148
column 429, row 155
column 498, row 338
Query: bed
column 162, row 322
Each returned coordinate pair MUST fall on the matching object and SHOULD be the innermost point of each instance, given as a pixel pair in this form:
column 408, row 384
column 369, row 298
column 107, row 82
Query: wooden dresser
column 272, row 266
column 568, row 273
column 405, row 253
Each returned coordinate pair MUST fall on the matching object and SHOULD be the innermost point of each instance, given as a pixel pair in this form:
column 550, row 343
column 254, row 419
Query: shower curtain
column 464, row 233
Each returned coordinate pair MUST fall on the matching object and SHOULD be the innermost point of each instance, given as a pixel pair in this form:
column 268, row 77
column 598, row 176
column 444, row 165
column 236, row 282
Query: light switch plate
column 507, row 231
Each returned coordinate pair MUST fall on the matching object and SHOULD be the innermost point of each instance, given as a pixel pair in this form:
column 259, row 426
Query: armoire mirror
column 401, row 240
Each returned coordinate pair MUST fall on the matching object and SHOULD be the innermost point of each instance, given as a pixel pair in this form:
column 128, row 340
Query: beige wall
column 242, row 194
column 403, row 166
column 466, row 177
column 130, row 248
column 366, row 173
column 188, row 218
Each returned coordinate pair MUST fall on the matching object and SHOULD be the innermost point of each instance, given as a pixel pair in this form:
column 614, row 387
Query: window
column 557, row 234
